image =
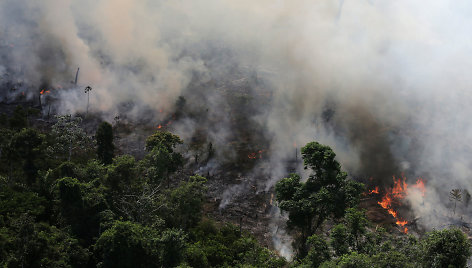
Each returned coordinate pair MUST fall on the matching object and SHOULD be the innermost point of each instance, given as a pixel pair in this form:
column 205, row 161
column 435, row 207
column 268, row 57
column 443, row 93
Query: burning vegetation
column 204, row 127
column 394, row 197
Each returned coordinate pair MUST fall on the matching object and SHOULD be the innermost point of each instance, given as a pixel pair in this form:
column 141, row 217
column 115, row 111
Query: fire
column 44, row 91
column 255, row 155
column 394, row 195
column 420, row 186
column 374, row 191
column 164, row 125
column 401, row 223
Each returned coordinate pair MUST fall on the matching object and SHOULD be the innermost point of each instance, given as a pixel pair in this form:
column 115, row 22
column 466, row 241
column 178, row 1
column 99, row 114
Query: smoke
column 384, row 83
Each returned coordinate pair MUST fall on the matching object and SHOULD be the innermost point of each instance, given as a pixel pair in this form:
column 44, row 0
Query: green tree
column 339, row 240
column 105, row 147
column 183, row 208
column 122, row 174
column 40, row 245
column 319, row 251
column 19, row 118
column 161, row 160
column 356, row 224
column 128, row 244
column 26, row 147
column 3, row 120
column 327, row 192
column 80, row 206
column 446, row 248
column 392, row 259
column 225, row 246
column 353, row 260
column 69, row 137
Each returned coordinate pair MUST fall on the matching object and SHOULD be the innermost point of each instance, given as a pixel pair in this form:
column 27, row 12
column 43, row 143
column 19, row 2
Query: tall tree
column 327, row 192
column 162, row 159
column 69, row 136
column 26, row 146
column 455, row 196
column 105, row 147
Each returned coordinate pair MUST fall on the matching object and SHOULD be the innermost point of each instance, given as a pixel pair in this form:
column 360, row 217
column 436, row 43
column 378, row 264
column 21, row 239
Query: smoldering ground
column 385, row 83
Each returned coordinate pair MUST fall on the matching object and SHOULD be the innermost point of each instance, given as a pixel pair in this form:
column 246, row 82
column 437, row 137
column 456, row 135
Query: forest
column 71, row 199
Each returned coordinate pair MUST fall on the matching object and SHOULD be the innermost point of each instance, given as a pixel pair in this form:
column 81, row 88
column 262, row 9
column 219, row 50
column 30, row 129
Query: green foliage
column 392, row 259
column 319, row 251
column 356, row 223
column 339, row 240
column 19, row 118
column 353, row 260
column 327, row 192
column 54, row 209
column 172, row 244
column 162, row 139
column 80, row 205
column 16, row 202
column 3, row 120
column 184, row 205
column 69, row 138
column 105, row 147
column 122, row 173
column 225, row 246
column 128, row 244
column 161, row 160
column 29, row 244
column 93, row 170
column 26, row 147
column 446, row 248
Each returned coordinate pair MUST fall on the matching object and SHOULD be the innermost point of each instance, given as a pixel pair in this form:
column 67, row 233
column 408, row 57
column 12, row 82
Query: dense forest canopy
column 67, row 200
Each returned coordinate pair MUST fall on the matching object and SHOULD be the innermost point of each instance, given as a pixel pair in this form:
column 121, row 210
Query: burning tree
column 327, row 192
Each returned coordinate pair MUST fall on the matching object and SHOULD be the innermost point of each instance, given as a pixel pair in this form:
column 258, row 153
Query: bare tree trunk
column 88, row 101
column 70, row 151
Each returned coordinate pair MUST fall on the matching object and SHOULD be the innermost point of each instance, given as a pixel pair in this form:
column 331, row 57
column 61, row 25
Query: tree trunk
column 70, row 152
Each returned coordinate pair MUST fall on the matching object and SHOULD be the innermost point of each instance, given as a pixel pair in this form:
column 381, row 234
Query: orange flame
column 420, row 186
column 401, row 223
column 397, row 193
column 164, row 125
column 374, row 191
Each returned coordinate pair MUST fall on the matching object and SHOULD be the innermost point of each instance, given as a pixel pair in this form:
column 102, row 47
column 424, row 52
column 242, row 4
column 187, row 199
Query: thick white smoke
column 385, row 83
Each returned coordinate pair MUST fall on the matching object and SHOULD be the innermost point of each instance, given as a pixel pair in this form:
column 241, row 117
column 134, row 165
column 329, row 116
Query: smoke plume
column 386, row 84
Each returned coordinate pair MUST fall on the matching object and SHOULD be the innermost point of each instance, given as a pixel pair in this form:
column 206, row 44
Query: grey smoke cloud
column 385, row 83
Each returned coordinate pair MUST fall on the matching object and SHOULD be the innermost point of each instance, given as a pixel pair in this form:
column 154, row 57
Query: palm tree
column 456, row 196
